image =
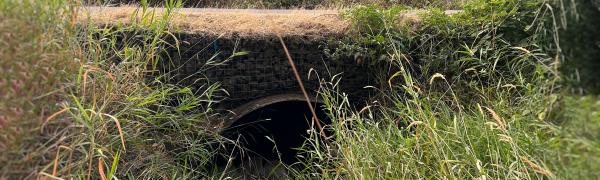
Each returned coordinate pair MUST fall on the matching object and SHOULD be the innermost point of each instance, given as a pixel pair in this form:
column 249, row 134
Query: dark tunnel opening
column 286, row 125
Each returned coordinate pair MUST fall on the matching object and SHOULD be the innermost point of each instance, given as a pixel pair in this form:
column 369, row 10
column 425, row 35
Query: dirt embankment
column 254, row 23
column 231, row 22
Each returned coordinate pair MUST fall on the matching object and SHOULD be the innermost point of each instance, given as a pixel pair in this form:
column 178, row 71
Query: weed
column 116, row 120
column 470, row 99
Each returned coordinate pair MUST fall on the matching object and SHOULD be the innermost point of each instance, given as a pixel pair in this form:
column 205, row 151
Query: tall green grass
column 117, row 116
column 475, row 95
column 35, row 63
column 580, row 43
column 127, row 123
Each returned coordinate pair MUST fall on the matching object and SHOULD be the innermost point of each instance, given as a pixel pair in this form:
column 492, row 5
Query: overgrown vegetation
column 110, row 119
column 477, row 94
column 34, row 64
column 580, row 43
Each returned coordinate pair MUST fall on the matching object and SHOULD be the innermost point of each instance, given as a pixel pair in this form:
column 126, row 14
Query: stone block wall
column 263, row 70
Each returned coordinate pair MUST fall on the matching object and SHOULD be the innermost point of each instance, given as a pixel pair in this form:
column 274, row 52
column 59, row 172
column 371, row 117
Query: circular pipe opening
column 274, row 132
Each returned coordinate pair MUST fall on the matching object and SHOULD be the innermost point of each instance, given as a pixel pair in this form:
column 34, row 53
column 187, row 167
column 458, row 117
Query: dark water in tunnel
column 285, row 124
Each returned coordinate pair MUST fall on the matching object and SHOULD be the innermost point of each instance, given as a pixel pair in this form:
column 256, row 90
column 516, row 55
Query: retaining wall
column 264, row 70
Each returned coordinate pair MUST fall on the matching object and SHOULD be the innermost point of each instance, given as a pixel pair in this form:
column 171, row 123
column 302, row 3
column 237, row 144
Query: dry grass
column 238, row 23
column 34, row 68
column 242, row 22
column 311, row 4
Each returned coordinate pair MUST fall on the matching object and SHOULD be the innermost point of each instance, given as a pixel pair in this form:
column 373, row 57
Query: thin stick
column 310, row 106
